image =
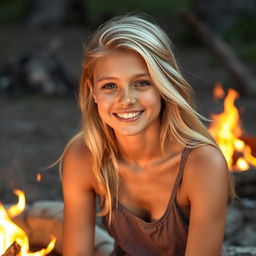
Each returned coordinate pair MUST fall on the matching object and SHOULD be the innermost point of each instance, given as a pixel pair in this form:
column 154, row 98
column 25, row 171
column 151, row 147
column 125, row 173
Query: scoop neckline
column 170, row 203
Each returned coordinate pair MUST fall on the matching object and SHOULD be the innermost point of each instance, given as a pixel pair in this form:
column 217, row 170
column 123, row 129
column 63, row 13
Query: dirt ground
column 35, row 128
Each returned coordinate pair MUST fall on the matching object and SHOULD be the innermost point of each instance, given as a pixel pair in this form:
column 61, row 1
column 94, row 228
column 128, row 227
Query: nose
column 127, row 97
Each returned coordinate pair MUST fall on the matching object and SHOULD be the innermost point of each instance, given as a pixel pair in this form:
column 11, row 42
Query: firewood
column 13, row 250
column 239, row 73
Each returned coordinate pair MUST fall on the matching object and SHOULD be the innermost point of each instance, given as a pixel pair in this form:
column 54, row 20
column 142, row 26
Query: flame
column 226, row 130
column 218, row 92
column 10, row 232
column 248, row 155
column 242, row 164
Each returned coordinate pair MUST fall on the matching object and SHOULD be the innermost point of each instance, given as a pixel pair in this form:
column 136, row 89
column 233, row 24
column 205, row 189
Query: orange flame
column 10, row 232
column 226, row 130
column 38, row 177
column 218, row 92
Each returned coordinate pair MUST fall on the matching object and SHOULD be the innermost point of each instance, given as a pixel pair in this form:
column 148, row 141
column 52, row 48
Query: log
column 13, row 250
column 245, row 81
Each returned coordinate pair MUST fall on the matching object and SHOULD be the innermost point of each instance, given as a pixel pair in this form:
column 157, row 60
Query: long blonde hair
column 179, row 120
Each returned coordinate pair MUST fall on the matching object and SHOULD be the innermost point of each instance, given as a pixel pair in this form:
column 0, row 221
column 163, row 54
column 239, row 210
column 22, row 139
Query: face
column 126, row 97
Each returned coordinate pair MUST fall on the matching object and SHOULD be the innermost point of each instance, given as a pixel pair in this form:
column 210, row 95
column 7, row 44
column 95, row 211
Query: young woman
column 162, row 181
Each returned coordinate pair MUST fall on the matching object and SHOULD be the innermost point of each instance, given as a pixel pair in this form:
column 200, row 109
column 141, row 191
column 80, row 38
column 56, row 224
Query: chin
column 127, row 132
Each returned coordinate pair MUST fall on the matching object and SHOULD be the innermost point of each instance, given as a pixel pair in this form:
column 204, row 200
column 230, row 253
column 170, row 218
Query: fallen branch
column 246, row 83
column 13, row 250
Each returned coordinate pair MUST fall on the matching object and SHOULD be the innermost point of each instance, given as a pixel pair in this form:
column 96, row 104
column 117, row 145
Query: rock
column 245, row 184
column 247, row 236
column 41, row 221
column 241, row 251
column 248, row 207
column 234, row 222
column 44, row 219
column 38, row 72
column 240, row 225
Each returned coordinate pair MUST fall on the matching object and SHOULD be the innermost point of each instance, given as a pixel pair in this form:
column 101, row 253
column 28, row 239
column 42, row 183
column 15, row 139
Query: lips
column 128, row 116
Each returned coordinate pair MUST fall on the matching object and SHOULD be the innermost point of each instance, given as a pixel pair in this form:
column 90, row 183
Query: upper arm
column 79, row 202
column 207, row 179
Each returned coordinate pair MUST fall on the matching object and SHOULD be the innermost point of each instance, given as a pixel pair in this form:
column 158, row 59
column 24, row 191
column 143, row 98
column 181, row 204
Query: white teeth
column 128, row 115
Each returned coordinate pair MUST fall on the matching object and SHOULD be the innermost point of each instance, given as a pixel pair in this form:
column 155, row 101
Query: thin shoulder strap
column 184, row 157
column 183, row 161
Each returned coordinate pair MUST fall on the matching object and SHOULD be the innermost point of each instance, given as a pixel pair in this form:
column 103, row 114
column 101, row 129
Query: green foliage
column 12, row 10
column 242, row 36
column 152, row 7
column 243, row 30
column 248, row 51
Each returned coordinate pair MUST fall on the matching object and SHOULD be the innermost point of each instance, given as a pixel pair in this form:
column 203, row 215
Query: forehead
column 119, row 63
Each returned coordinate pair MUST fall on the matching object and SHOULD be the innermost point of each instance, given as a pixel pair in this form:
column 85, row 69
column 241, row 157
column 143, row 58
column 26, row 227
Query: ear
column 91, row 90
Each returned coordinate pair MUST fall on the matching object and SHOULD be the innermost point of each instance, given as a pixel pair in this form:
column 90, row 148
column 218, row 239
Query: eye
column 109, row 86
column 143, row 83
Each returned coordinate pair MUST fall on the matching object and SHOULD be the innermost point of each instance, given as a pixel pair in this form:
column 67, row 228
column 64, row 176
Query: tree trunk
column 245, row 82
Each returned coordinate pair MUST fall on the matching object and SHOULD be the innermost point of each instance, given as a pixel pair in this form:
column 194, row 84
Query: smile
column 128, row 116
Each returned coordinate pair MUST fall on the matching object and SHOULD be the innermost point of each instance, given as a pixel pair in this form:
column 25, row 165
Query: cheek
column 104, row 104
column 152, row 99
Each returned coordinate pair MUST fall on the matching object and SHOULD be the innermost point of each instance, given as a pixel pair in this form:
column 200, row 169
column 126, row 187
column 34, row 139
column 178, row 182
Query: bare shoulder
column 207, row 158
column 206, row 175
column 79, row 199
column 77, row 166
column 206, row 170
column 77, row 151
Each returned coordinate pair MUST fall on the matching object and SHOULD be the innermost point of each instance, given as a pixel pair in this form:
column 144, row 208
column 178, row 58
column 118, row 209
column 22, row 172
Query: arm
column 207, row 189
column 79, row 203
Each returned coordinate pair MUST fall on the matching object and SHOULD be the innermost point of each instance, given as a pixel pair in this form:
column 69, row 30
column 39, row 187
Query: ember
column 11, row 234
column 218, row 92
column 38, row 177
column 226, row 130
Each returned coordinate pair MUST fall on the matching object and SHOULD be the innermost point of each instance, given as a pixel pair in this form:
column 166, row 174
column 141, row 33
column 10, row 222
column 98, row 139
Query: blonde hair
column 179, row 120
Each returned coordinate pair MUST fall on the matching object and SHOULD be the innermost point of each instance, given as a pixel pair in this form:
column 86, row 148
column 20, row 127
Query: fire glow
column 226, row 130
column 38, row 177
column 10, row 232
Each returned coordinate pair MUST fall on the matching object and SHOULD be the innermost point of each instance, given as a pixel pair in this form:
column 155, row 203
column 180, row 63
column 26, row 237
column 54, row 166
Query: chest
column 147, row 193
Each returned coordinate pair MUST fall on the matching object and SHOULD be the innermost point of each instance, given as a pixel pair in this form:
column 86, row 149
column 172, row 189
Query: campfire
column 227, row 130
column 13, row 240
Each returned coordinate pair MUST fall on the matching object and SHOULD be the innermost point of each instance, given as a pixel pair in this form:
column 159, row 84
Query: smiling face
column 126, row 97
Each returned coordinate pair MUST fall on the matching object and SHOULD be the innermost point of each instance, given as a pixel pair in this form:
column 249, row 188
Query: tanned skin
column 142, row 166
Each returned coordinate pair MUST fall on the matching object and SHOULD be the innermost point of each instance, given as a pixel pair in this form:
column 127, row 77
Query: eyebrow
column 115, row 78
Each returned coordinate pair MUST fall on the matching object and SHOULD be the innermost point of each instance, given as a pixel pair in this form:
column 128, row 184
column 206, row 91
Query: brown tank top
column 166, row 236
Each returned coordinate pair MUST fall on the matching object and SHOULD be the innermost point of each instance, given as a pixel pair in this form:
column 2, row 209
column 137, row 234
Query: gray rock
column 247, row 236
column 234, row 222
column 241, row 251
column 44, row 218
column 248, row 208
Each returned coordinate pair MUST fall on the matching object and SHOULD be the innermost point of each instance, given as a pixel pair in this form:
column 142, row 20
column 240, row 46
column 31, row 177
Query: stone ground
column 35, row 128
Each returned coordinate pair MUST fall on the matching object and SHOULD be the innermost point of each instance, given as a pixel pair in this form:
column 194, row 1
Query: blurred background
column 41, row 49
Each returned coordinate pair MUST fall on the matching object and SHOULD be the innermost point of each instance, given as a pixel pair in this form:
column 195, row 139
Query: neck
column 142, row 149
